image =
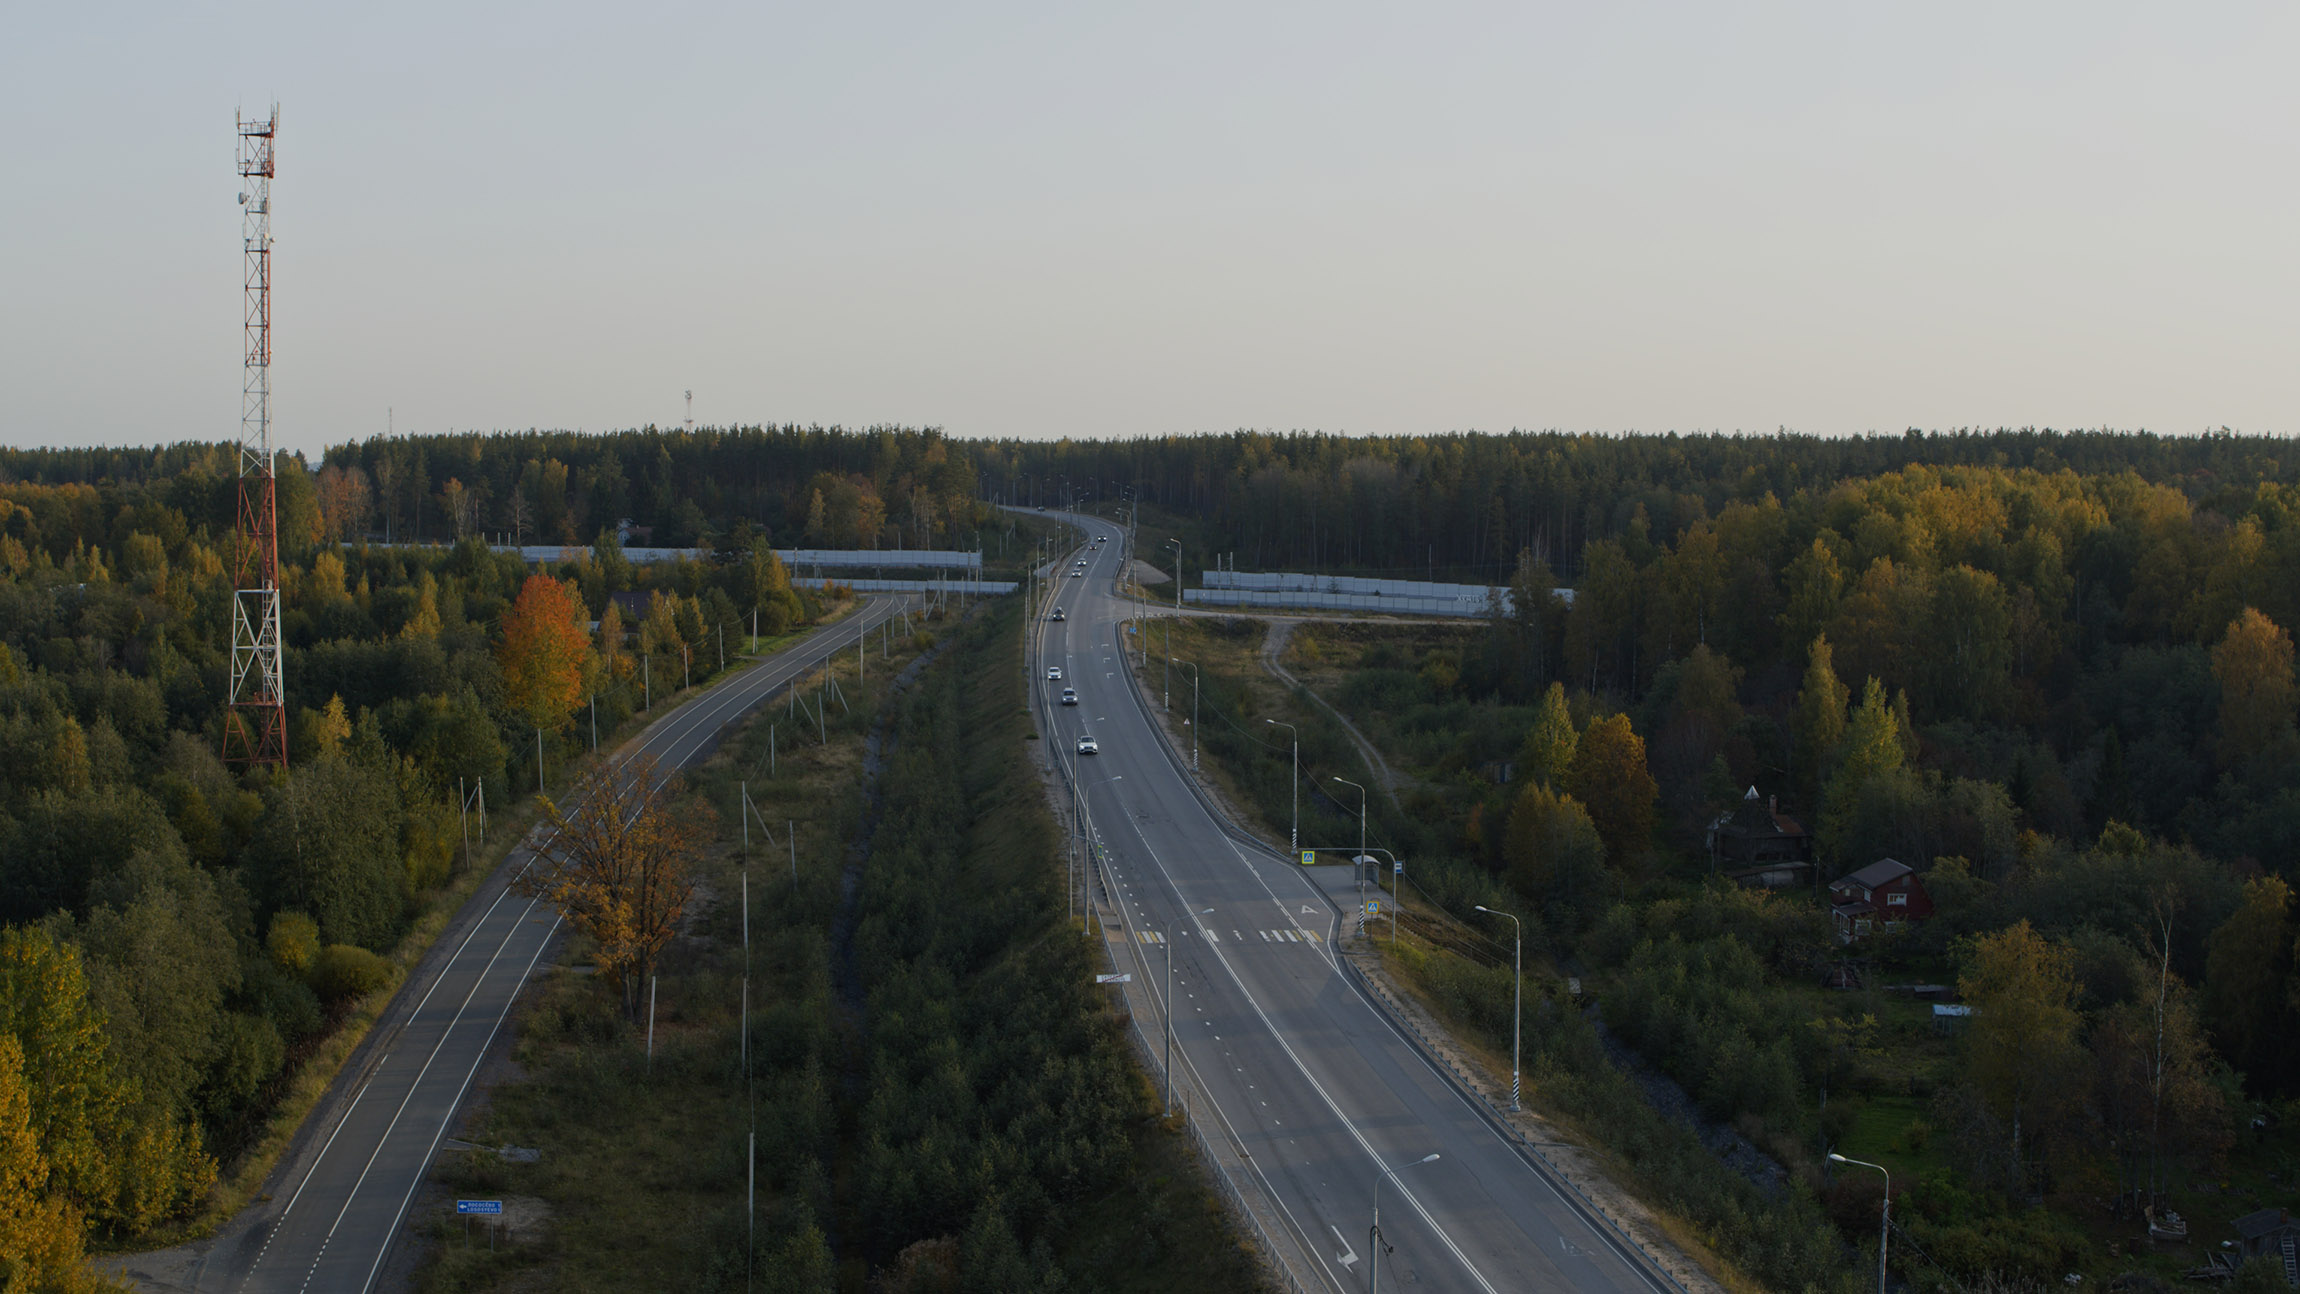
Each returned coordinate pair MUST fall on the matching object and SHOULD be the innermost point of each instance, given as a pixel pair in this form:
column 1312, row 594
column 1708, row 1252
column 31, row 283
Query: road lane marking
column 423, row 1170
column 1284, row 1044
column 680, row 727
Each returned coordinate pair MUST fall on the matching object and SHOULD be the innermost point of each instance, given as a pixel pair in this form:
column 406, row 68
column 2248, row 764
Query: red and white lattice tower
column 255, row 725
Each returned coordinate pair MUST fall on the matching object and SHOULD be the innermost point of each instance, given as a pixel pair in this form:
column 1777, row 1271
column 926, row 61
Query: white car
column 1088, row 746
column 1078, row 574
column 1054, row 673
column 1070, row 696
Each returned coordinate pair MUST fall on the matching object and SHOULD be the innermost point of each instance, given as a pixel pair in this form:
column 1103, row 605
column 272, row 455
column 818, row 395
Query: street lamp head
column 1839, row 1158
column 1428, row 1158
column 1483, row 908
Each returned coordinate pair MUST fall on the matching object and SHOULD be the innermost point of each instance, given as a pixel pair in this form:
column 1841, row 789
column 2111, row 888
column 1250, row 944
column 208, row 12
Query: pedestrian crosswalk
column 1268, row 936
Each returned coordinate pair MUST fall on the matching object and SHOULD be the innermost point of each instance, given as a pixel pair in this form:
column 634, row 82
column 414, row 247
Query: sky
column 1116, row 219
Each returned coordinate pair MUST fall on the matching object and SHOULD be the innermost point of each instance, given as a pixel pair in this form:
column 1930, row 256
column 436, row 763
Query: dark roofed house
column 1757, row 844
column 1886, row 891
column 2274, row 1234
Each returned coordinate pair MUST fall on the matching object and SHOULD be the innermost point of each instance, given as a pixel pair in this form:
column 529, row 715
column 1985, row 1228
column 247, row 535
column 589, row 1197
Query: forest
column 2053, row 675
column 2052, row 671
column 178, row 937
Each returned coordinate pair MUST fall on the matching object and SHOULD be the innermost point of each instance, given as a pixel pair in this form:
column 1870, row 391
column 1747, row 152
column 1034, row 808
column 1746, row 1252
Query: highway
column 1301, row 1070
column 336, row 1203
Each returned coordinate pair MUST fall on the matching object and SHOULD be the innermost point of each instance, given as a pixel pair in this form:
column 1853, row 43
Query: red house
column 1886, row 890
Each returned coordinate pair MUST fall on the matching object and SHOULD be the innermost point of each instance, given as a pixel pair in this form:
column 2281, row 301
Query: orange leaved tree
column 542, row 653
column 618, row 864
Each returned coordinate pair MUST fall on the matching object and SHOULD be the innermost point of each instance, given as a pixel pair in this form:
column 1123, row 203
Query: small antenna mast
column 690, row 411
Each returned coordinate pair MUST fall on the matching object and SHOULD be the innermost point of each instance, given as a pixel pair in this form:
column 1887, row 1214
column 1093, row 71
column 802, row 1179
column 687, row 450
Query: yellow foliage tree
column 2254, row 665
column 40, row 1233
column 2021, row 1051
column 1611, row 780
column 425, row 623
column 1547, row 752
column 123, row 1164
column 614, row 663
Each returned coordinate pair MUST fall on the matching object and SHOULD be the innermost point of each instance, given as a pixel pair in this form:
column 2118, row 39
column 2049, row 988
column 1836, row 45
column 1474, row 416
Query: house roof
column 1884, row 871
column 2265, row 1222
column 1755, row 816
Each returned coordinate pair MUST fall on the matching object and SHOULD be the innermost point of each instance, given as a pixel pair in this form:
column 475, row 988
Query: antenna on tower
column 690, row 411
column 255, row 722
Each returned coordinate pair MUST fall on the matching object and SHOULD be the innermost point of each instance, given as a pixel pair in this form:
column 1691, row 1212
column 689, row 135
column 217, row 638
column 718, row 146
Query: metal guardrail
column 1500, row 1119
column 1287, row 599
column 865, row 585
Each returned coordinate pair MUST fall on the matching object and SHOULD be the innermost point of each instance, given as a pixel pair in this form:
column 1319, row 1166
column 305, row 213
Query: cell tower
column 690, row 411
column 255, row 725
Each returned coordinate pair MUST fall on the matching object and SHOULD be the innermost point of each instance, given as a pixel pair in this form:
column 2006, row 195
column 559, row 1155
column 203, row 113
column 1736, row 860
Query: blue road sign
column 479, row 1206
column 1399, row 868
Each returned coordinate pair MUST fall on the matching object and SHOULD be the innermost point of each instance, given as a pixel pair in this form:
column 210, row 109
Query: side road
column 331, row 1209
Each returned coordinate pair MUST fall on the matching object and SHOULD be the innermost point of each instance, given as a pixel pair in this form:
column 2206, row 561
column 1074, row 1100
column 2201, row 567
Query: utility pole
column 1517, row 1026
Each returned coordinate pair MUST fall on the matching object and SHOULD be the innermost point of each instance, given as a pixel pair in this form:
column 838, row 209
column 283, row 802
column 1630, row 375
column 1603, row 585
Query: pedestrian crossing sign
column 1309, row 856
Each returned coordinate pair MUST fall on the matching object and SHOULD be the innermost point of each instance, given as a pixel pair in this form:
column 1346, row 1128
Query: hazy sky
column 1104, row 219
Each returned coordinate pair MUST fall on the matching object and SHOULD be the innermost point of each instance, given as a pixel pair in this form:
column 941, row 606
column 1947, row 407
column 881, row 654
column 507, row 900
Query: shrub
column 293, row 942
column 345, row 971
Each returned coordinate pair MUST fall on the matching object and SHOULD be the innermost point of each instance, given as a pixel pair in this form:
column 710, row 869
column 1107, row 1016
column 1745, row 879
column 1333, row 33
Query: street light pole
column 1169, row 1019
column 1294, row 840
column 1193, row 713
column 1359, row 862
column 1163, row 698
column 1885, row 1226
column 1517, row 1023
column 1374, row 1233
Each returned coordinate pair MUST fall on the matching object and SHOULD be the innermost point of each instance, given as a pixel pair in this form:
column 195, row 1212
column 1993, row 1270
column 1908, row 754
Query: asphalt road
column 1304, row 1071
column 338, row 1198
